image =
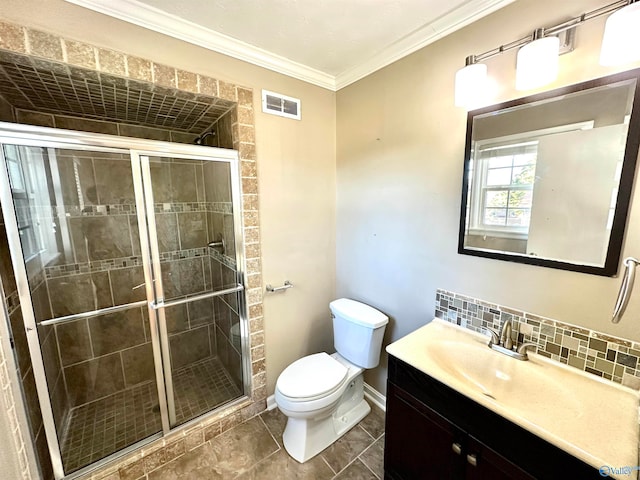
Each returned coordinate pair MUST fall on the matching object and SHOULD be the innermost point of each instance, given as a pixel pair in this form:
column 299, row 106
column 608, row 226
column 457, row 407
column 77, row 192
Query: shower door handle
column 92, row 313
column 162, row 304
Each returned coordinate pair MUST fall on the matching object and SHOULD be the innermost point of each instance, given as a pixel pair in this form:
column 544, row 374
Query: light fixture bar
column 556, row 29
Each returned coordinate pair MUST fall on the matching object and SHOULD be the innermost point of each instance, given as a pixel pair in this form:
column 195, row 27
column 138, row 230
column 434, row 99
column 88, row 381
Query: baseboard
column 375, row 397
column 370, row 393
column 271, row 402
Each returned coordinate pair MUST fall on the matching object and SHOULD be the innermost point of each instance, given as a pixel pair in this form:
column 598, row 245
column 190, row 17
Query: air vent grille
column 282, row 105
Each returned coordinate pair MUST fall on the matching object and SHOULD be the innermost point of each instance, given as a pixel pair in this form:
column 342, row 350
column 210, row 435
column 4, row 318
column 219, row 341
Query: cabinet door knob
column 472, row 459
column 457, row 448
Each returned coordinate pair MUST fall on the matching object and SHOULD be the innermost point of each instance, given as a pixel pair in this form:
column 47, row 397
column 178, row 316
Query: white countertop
column 591, row 418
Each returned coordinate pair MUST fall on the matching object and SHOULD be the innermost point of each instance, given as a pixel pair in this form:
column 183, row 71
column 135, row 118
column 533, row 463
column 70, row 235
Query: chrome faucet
column 503, row 342
column 505, row 335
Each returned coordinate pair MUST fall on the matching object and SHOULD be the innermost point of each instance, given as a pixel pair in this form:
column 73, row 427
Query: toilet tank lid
column 359, row 313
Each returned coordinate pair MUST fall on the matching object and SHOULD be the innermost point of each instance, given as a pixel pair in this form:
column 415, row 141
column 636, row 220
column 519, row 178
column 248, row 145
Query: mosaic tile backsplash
column 609, row 357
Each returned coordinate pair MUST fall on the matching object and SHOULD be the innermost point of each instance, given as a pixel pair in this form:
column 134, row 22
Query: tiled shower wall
column 591, row 351
column 220, row 225
column 223, row 137
column 237, row 127
column 105, row 354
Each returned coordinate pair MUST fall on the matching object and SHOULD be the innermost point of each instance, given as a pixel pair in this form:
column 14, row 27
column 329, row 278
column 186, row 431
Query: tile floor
column 201, row 387
column 98, row 429
column 253, row 450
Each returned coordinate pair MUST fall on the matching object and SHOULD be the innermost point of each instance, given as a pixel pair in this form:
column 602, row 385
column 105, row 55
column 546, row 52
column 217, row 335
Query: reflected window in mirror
column 547, row 178
column 35, row 188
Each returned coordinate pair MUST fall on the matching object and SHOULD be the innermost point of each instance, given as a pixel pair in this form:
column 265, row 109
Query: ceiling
column 330, row 43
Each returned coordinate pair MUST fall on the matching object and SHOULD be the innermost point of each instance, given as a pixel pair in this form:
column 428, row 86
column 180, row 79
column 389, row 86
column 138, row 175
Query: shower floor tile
column 98, row 429
column 201, row 387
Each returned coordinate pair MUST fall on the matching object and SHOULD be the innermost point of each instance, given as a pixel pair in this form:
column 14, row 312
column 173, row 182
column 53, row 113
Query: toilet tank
column 357, row 331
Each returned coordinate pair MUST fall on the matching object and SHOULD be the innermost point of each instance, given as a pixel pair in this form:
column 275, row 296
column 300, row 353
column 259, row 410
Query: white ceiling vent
column 278, row 104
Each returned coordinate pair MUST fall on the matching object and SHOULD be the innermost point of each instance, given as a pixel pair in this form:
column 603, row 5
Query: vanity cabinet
column 435, row 433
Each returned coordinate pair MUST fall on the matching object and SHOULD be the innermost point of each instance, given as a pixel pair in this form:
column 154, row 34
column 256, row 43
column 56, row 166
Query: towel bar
column 287, row 284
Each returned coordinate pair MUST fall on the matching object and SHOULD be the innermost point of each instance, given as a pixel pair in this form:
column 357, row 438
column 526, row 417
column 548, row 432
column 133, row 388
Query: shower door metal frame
column 138, row 150
column 152, row 262
column 24, row 294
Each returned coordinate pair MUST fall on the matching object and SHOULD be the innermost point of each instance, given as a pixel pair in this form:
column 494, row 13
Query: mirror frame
column 632, row 146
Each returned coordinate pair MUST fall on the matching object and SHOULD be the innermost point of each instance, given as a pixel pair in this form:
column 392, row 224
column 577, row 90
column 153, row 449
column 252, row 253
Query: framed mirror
column 547, row 178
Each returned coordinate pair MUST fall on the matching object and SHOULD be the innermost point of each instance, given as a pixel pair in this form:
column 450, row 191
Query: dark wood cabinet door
column 425, row 418
column 485, row 464
column 419, row 443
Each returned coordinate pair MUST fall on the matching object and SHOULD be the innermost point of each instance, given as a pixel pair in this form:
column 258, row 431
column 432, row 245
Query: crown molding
column 425, row 35
column 151, row 18
column 157, row 20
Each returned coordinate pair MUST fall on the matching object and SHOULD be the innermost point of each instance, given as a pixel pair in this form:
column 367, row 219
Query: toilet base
column 305, row 438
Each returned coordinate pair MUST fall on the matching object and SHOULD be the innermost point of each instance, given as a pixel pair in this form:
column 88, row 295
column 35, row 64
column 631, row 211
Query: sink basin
column 518, row 384
column 591, row 418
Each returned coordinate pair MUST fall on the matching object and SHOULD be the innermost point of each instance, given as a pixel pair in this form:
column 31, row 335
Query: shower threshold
column 98, row 429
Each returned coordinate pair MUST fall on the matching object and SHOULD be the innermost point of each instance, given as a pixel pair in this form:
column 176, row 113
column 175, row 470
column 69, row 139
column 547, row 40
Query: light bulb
column 471, row 83
column 621, row 40
column 537, row 63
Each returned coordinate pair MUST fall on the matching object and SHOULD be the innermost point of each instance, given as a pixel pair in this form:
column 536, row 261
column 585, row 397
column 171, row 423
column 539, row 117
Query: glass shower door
column 196, row 279
column 72, row 226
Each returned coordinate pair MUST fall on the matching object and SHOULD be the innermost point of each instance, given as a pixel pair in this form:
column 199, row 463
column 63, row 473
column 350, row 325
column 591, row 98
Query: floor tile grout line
column 368, row 447
column 373, row 440
column 347, row 466
column 365, row 463
column 255, row 465
column 328, row 465
column 369, row 468
column 367, row 432
column 271, row 433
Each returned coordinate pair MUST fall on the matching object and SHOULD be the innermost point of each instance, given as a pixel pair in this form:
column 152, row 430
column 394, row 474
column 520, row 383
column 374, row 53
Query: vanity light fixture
column 621, row 40
column 537, row 63
column 470, row 82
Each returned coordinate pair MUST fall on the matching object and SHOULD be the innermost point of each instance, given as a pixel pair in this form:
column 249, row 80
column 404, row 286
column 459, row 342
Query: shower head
column 200, row 140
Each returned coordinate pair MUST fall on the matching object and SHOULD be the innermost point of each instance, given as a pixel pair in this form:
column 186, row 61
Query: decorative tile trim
column 133, row 261
column 224, row 259
column 213, row 207
column 74, row 211
column 220, row 207
column 588, row 350
column 182, row 254
column 90, row 267
column 13, row 302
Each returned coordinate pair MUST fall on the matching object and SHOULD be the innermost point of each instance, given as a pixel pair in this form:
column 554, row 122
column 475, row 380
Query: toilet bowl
column 323, row 395
column 311, row 385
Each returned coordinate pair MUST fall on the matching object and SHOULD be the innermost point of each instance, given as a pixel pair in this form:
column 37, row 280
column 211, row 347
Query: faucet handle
column 523, row 349
column 495, row 337
column 505, row 335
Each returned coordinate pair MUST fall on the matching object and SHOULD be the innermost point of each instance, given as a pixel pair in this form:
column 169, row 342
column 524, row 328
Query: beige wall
column 296, row 171
column 399, row 174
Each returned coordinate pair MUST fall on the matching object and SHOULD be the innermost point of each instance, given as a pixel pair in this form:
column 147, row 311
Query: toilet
column 322, row 395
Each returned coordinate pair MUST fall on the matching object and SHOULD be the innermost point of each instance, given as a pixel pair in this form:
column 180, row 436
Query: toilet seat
column 312, row 377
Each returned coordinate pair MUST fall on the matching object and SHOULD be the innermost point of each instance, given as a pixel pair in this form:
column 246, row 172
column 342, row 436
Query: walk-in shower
column 131, row 320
